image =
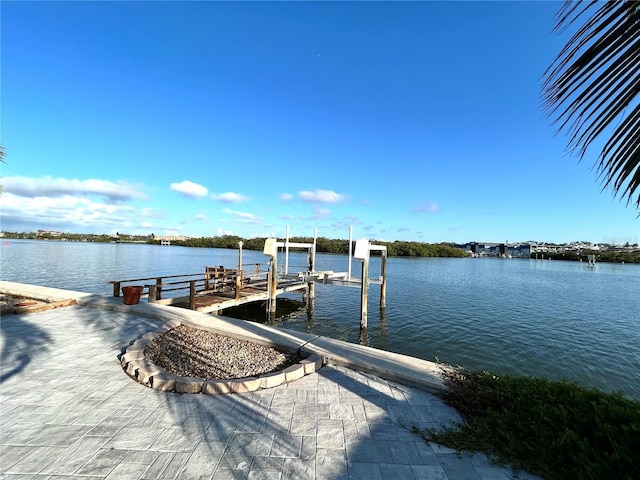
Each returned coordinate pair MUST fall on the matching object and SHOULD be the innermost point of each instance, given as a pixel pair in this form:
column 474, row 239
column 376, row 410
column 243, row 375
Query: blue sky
column 409, row 121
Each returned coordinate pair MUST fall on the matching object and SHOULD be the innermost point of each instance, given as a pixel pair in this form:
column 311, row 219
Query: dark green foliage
column 619, row 257
column 331, row 245
column 419, row 249
column 394, row 249
column 226, row 241
column 327, row 245
column 554, row 429
column 614, row 256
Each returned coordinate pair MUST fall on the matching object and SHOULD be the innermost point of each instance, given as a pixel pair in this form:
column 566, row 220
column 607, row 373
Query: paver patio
column 67, row 410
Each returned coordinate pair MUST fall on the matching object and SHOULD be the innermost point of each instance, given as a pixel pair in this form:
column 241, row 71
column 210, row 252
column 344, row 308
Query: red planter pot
column 132, row 294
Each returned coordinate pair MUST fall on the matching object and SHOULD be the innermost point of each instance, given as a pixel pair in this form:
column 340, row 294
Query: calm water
column 537, row 317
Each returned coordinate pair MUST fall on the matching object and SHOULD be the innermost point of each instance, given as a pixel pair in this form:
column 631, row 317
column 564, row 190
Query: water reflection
column 364, row 337
column 382, row 336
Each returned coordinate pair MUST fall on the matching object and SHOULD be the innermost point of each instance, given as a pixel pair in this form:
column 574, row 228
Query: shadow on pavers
column 21, row 340
column 334, row 424
column 386, row 448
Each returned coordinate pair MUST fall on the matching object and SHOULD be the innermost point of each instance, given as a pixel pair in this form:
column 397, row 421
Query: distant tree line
column 398, row 248
column 80, row 237
column 330, row 245
column 226, row 241
column 613, row 256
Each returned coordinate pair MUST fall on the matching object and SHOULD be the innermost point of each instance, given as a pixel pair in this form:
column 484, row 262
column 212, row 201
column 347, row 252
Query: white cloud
column 57, row 187
column 340, row 225
column 425, row 207
column 244, row 217
column 286, row 197
column 201, row 218
column 152, row 213
column 173, row 230
column 321, row 212
column 229, row 197
column 146, row 225
column 189, row 189
column 321, row 196
column 221, row 232
column 66, row 213
column 270, row 234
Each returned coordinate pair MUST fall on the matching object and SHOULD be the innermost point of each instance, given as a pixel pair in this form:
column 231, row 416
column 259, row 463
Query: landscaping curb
column 137, row 366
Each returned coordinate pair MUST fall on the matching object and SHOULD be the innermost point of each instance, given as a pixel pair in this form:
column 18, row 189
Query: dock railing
column 169, row 289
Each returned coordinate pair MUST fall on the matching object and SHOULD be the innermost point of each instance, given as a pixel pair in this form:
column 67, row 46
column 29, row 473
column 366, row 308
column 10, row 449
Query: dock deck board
column 214, row 301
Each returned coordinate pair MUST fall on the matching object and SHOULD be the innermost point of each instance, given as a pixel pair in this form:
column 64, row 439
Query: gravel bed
column 192, row 352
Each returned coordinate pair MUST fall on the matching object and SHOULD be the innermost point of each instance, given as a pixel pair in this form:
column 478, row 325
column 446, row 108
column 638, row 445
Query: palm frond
column 592, row 89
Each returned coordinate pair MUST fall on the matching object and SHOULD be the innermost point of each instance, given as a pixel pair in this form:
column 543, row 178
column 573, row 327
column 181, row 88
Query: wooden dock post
column 152, row 294
column 271, row 250
column 239, row 272
column 350, row 251
column 383, row 284
column 286, row 252
column 273, row 284
column 116, row 289
column 158, row 289
column 207, row 276
column 362, row 254
column 364, row 293
column 311, row 286
column 192, row 295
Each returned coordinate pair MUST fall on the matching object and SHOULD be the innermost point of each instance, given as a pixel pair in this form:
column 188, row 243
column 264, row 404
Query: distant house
column 170, row 238
column 48, row 233
column 477, row 249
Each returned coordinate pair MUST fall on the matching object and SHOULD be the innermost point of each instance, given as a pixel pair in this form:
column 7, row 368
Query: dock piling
column 192, row 295
column 158, row 290
column 364, row 292
column 239, row 272
column 383, row 284
column 152, row 298
column 271, row 250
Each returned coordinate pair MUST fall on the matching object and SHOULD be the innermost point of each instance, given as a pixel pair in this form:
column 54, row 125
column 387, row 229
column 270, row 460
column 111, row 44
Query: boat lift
column 363, row 248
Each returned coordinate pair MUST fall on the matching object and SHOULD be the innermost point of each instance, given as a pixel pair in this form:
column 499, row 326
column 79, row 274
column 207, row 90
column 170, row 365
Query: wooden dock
column 218, row 288
column 214, row 290
column 215, row 302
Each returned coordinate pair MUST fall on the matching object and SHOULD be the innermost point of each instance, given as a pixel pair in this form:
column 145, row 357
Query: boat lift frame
column 363, row 249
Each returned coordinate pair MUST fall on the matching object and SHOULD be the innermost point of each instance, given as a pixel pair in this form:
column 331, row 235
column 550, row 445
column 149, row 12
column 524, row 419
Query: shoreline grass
column 555, row 429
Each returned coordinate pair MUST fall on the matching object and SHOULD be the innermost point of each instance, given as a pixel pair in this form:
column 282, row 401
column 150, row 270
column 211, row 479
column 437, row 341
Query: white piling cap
column 362, row 250
column 271, row 247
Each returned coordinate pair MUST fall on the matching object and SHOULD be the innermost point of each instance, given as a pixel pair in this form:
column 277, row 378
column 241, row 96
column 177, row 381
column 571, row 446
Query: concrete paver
column 69, row 411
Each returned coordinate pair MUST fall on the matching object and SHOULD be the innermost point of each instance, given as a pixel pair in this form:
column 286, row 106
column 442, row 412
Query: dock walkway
column 214, row 290
column 211, row 302
column 67, row 410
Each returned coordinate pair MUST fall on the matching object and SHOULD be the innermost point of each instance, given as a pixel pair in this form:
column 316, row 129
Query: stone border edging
column 136, row 365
